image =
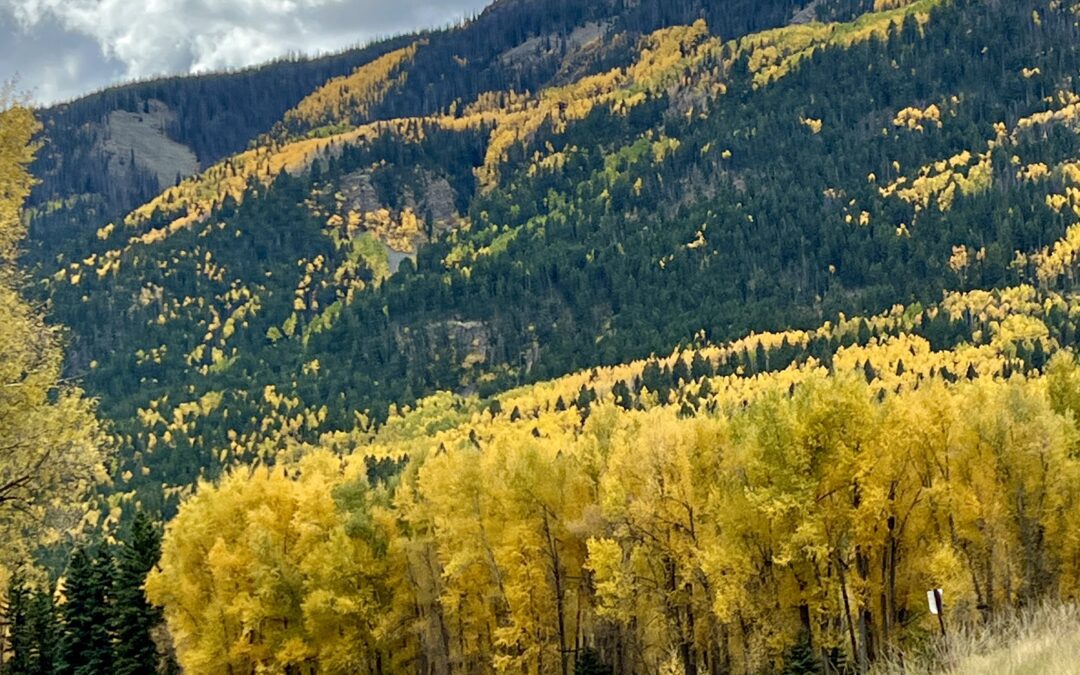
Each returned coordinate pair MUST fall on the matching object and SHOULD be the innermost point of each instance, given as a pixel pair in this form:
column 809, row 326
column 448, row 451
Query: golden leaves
column 814, row 125
column 353, row 96
column 51, row 446
column 914, row 119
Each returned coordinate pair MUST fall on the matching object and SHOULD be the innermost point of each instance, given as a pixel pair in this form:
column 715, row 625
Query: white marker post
column 937, row 607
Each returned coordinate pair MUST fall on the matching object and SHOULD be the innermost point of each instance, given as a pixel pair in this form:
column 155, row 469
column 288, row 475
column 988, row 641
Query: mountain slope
column 714, row 185
column 87, row 181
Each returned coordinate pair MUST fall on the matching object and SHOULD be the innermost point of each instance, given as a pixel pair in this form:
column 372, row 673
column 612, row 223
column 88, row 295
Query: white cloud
column 144, row 38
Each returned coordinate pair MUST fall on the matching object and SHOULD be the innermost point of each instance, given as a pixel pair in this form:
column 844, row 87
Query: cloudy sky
column 59, row 49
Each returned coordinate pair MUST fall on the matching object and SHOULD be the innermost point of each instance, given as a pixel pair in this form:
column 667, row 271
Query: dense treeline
column 254, row 255
column 792, row 519
column 52, row 447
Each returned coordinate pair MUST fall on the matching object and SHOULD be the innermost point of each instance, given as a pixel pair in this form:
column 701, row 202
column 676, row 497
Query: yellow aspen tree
column 542, row 489
column 51, row 446
column 466, row 523
column 276, row 569
column 652, row 499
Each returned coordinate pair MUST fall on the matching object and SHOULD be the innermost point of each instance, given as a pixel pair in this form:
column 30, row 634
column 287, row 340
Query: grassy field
column 1041, row 641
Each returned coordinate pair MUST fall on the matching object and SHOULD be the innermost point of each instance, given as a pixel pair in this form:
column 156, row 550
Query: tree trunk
column 556, row 574
column 847, row 610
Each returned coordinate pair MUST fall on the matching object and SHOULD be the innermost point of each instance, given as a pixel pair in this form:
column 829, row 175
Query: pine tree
column 133, row 618
column 651, row 376
column 761, row 358
column 1038, row 356
column 20, row 640
column 800, row 658
column 784, row 355
column 32, row 630
column 869, row 372
column 747, row 363
column 43, row 626
column 85, row 644
column 701, row 367
column 864, row 332
column 623, row 398
column 680, row 373
column 589, row 663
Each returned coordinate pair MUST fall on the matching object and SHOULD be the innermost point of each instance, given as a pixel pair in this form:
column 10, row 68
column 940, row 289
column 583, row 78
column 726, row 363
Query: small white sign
column 933, row 598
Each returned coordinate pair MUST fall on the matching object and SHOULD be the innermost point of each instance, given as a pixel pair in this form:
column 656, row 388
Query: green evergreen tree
column 44, row 627
column 680, row 373
column 800, row 658
column 701, row 367
column 1038, row 356
column 747, row 363
column 623, row 396
column 134, row 619
column 20, row 640
column 651, row 376
column 761, row 358
column 864, row 332
column 86, row 646
column 590, row 663
column 32, row 630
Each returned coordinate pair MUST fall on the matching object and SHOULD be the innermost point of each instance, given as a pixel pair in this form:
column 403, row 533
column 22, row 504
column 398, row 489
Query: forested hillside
column 528, row 344
column 345, row 265
column 105, row 149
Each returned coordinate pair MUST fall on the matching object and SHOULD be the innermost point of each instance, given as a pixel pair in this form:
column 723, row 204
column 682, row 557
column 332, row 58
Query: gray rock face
column 126, row 135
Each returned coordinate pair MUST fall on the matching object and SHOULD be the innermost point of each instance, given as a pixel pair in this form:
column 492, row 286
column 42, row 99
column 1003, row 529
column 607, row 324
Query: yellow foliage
column 352, row 96
column 914, row 118
column 518, row 534
column 51, row 446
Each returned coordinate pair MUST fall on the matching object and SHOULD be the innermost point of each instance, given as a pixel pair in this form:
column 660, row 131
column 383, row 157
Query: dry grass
column 1041, row 641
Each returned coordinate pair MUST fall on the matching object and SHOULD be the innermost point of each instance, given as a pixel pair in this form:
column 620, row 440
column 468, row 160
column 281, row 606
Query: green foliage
column 133, row 620
column 641, row 229
column 85, row 644
column 51, row 446
column 800, row 658
column 590, row 663
column 593, row 204
column 30, row 630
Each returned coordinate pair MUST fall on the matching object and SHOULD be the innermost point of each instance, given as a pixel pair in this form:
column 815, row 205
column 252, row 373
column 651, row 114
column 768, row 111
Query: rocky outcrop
column 138, row 139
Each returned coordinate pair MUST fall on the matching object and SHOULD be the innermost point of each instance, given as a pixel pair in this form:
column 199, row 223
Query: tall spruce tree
column 86, row 646
column 20, row 641
column 134, row 619
column 43, row 628
column 800, row 659
column 31, row 629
